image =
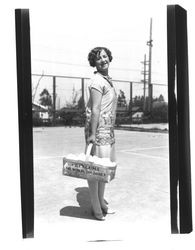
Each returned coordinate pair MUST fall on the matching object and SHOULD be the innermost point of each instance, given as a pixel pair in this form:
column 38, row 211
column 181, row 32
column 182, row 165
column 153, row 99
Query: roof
column 135, row 108
column 137, row 114
column 39, row 105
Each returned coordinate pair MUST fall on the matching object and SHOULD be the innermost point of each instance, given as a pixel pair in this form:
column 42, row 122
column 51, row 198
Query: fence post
column 54, row 99
column 131, row 101
column 83, row 97
column 150, row 97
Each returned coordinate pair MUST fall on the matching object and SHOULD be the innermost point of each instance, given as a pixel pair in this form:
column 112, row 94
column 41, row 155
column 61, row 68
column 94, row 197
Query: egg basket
column 86, row 169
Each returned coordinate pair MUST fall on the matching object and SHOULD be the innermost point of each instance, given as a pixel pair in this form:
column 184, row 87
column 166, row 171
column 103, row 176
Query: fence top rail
column 60, row 76
column 87, row 78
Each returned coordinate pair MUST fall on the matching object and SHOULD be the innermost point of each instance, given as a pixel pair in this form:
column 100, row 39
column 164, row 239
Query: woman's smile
column 102, row 62
column 104, row 65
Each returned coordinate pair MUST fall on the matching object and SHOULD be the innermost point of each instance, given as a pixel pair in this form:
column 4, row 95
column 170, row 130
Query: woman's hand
column 91, row 139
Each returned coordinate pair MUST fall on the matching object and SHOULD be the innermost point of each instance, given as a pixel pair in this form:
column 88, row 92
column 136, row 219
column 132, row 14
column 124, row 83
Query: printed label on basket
column 87, row 170
column 84, row 168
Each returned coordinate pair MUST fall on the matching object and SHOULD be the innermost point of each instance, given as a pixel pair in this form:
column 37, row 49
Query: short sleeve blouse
column 105, row 129
column 108, row 103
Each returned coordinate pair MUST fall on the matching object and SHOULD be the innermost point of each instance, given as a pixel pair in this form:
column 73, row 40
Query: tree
column 36, row 87
column 160, row 113
column 76, row 100
column 45, row 98
column 138, row 101
column 161, row 98
column 81, row 103
column 121, row 102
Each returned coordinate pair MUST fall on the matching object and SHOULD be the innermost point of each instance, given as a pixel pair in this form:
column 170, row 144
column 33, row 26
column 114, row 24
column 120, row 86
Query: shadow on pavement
column 84, row 209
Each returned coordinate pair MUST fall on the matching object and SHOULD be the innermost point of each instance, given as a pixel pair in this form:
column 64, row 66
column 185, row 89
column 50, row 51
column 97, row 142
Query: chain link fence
column 61, row 100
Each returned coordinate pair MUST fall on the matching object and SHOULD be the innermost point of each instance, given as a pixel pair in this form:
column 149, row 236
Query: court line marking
column 118, row 132
column 140, row 149
column 48, row 157
column 132, row 151
column 147, row 156
column 128, row 152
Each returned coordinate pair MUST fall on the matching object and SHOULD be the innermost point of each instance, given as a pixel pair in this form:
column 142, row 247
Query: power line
column 85, row 65
column 87, row 78
column 82, row 65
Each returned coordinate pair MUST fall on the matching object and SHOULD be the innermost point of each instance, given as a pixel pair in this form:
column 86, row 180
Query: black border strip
column 179, row 130
column 23, row 53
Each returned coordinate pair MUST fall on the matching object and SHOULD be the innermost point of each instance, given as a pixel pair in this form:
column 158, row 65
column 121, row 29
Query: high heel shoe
column 106, row 202
column 98, row 216
column 108, row 211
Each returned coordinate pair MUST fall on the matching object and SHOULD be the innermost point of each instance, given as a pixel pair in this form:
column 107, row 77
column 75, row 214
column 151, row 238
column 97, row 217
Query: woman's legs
column 97, row 189
column 93, row 191
column 107, row 151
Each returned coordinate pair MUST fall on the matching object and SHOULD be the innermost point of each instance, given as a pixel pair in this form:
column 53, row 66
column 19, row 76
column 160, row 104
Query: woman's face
column 102, row 62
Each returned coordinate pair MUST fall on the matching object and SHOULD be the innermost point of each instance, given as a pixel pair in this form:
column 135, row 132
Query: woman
column 100, row 119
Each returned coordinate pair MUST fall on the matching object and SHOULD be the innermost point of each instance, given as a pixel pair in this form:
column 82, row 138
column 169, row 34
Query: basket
column 87, row 169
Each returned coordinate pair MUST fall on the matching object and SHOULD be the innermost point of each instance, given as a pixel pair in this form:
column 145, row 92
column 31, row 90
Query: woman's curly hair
column 93, row 54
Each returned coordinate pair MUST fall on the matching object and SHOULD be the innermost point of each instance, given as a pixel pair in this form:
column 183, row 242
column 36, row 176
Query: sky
column 62, row 38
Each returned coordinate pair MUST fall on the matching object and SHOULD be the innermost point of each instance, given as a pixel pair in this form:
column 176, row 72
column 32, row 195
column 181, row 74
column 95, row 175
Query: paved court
column 139, row 193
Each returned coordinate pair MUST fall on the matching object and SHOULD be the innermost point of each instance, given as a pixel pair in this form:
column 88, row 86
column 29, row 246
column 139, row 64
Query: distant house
column 137, row 117
column 40, row 112
column 122, row 109
column 136, row 109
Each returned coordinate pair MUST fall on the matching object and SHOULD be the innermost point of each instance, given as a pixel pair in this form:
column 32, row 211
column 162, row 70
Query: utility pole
column 145, row 72
column 149, row 43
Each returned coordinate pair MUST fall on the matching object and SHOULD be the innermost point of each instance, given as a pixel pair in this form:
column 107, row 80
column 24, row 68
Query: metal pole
column 149, row 43
column 144, row 106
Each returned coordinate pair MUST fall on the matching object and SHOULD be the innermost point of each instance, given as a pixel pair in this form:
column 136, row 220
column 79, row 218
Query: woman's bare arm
column 96, row 98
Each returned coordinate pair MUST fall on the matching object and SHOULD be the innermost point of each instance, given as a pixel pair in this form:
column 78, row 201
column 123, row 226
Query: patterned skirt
column 105, row 129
